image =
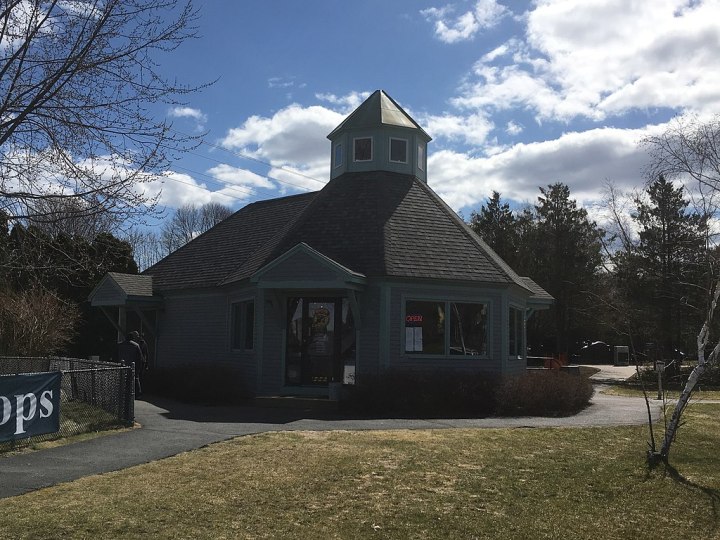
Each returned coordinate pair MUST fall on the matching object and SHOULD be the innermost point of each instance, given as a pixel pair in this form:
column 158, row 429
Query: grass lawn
column 501, row 484
column 697, row 396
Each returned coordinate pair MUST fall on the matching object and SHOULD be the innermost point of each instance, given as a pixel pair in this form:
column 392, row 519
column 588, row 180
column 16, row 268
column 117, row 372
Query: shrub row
column 213, row 385
column 458, row 394
column 404, row 394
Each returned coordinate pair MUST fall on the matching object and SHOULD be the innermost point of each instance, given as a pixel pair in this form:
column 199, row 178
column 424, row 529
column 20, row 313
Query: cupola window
column 398, row 150
column 421, row 157
column 363, row 148
column 338, row 157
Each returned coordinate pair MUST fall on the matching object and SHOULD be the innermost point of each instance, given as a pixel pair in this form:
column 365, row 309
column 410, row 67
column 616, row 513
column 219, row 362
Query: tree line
column 642, row 281
column 48, row 267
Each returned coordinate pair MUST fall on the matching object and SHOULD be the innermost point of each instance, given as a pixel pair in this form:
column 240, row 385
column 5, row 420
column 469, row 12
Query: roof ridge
column 493, row 257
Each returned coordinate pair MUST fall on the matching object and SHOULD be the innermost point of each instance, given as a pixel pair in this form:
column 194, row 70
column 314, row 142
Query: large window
column 243, row 325
column 445, row 328
column 516, row 334
column 362, row 149
column 468, row 323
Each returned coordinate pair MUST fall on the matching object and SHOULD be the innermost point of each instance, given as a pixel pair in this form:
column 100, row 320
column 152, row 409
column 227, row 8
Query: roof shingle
column 374, row 223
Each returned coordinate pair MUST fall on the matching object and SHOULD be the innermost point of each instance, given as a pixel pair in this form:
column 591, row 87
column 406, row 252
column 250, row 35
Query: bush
column 213, row 385
column 425, row 394
column 543, row 393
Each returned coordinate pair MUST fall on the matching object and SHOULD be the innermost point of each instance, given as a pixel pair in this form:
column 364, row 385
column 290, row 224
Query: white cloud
column 191, row 113
column 514, row 128
column 598, row 58
column 472, row 129
column 347, row 103
column 293, row 138
column 239, row 177
column 449, row 29
column 583, row 160
column 176, row 189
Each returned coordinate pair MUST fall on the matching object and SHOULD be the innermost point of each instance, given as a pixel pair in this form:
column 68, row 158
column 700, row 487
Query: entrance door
column 316, row 340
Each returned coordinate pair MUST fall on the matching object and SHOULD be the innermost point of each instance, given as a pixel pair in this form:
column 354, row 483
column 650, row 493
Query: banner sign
column 29, row 405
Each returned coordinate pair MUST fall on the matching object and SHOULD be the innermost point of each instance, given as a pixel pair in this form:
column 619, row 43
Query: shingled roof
column 375, row 223
column 212, row 256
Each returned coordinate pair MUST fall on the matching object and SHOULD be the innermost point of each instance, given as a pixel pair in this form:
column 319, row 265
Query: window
column 398, row 150
column 427, row 323
column 338, row 157
column 243, row 325
column 363, row 149
column 516, row 334
column 425, row 327
column 468, row 329
column 421, row 157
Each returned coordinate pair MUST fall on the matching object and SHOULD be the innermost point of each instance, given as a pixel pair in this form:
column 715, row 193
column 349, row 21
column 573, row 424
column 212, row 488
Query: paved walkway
column 169, row 428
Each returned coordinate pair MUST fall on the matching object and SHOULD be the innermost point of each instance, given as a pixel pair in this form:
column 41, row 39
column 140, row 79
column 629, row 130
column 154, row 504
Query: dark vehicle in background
column 595, row 352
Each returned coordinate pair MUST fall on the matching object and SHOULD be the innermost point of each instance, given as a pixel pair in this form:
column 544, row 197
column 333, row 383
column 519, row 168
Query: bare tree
column 190, row 221
column 146, row 246
column 35, row 322
column 77, row 78
column 66, row 216
column 689, row 150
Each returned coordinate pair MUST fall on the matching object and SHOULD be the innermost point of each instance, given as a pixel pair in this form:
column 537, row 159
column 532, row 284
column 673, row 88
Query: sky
column 515, row 94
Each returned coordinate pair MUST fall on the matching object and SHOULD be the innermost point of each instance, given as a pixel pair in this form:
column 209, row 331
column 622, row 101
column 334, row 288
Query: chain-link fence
column 94, row 395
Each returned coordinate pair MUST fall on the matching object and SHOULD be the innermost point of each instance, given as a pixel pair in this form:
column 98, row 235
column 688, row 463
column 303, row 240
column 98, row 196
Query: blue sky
column 516, row 95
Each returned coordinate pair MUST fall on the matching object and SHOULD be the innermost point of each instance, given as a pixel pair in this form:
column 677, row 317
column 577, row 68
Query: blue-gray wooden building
column 372, row 272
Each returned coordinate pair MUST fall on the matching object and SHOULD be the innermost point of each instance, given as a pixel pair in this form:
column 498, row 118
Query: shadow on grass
column 713, row 495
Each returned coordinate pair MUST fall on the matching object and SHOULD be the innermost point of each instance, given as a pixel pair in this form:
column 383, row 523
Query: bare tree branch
column 77, row 80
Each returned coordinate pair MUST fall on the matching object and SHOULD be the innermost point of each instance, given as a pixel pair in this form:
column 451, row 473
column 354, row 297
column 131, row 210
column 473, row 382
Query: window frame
column 421, row 157
column 520, row 338
column 240, row 333
column 338, row 162
column 407, row 146
column 447, row 302
column 372, row 149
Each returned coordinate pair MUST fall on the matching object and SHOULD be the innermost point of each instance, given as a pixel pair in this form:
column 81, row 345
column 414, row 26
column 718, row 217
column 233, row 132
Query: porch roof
column 116, row 289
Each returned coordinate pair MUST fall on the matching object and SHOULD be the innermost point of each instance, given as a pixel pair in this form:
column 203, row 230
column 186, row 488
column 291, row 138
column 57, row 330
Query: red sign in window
column 414, row 319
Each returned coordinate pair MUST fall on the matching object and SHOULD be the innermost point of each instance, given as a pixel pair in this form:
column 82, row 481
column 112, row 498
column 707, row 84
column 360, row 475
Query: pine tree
column 568, row 257
column 664, row 275
column 496, row 224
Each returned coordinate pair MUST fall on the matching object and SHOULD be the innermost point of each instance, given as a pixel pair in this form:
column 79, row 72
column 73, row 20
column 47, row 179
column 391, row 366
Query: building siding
column 194, row 330
column 300, row 266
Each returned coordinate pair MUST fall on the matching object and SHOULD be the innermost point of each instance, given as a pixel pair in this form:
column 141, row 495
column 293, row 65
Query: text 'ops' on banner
column 29, row 405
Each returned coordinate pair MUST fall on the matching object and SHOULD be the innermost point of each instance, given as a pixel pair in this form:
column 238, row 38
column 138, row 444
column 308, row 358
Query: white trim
column 407, row 147
column 372, row 149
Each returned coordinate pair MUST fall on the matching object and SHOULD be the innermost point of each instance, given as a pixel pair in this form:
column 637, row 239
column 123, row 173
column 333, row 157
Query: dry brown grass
column 514, row 484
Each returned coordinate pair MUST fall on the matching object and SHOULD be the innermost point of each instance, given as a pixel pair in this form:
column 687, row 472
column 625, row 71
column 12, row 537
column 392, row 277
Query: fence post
column 131, row 394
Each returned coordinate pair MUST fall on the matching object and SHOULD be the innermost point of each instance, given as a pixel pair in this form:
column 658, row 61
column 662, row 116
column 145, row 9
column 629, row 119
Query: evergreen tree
column 496, row 224
column 664, row 276
column 567, row 255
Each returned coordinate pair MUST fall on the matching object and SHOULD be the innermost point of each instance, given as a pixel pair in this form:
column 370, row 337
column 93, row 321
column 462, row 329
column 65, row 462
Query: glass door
column 312, row 340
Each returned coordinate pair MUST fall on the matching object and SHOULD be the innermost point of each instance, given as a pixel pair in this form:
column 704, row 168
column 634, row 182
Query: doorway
column 320, row 341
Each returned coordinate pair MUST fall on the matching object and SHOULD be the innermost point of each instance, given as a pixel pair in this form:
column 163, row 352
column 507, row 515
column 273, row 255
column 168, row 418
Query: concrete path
column 169, row 428
column 611, row 374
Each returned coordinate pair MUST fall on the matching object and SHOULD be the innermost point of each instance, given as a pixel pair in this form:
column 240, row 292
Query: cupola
column 379, row 136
